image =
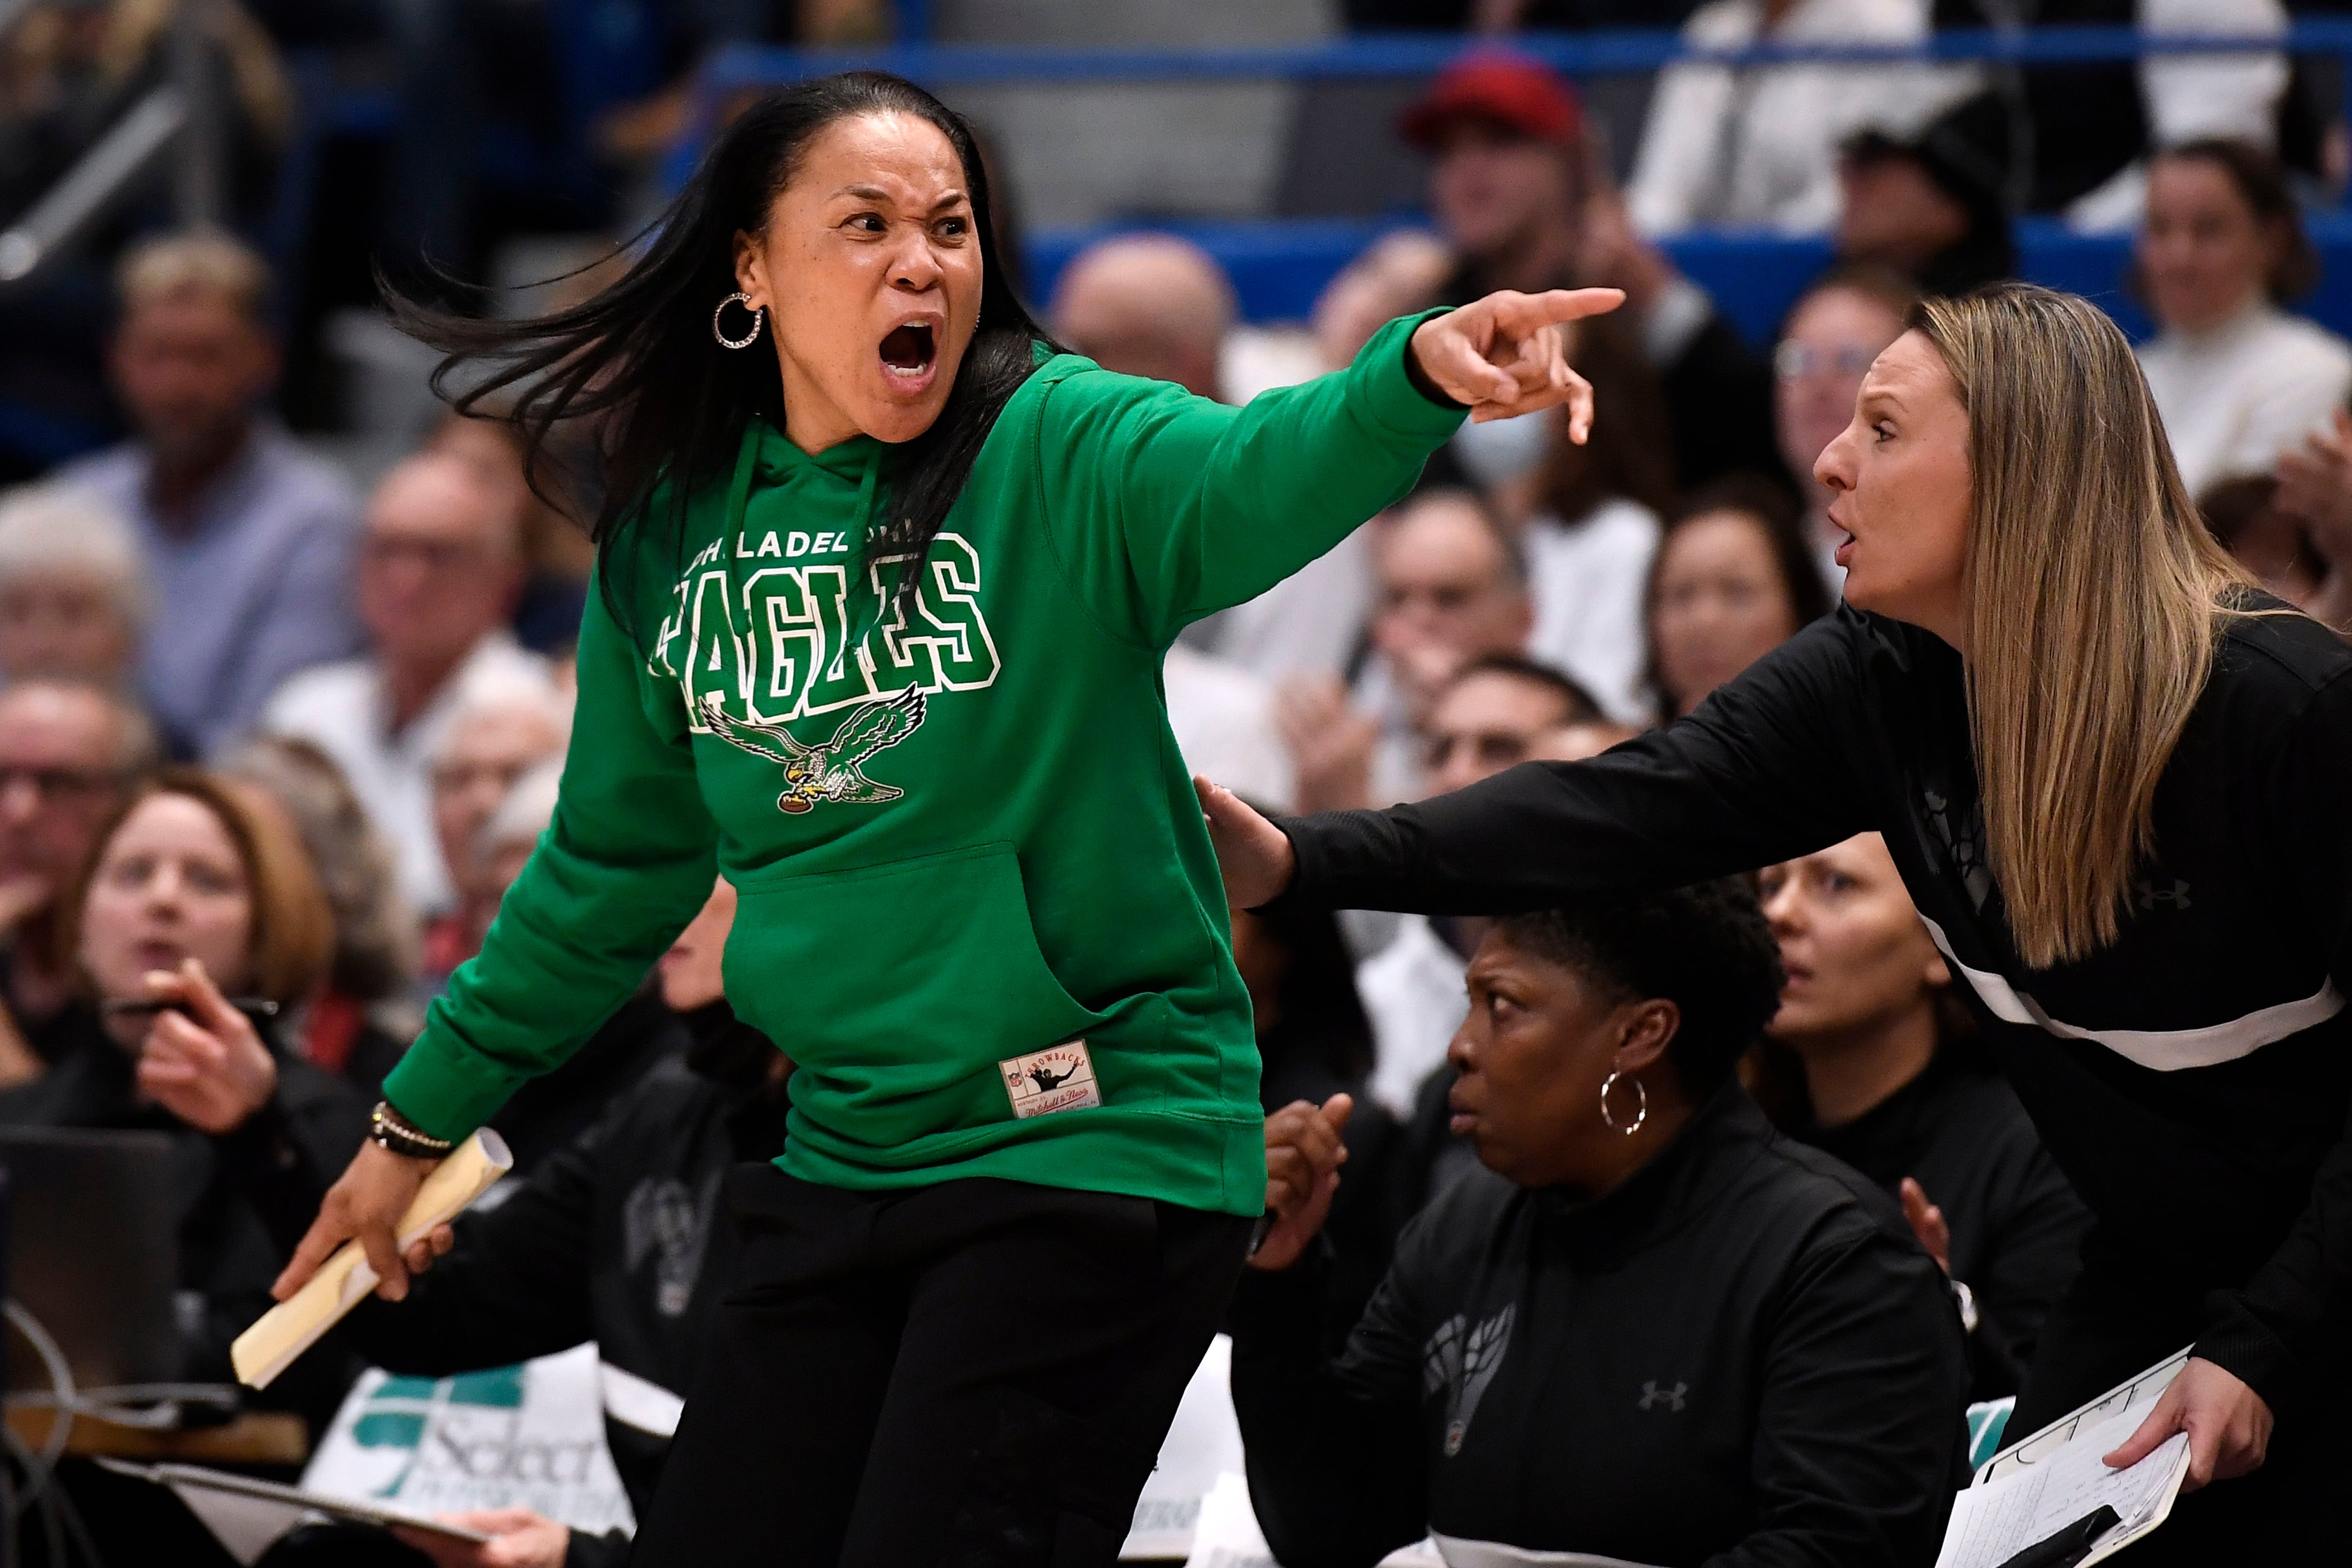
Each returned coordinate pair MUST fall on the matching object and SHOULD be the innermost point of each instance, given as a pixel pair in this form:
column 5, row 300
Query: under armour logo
column 2150, row 895
column 1672, row 1398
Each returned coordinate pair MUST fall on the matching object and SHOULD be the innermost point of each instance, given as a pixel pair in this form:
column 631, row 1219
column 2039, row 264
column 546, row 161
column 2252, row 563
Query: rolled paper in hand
column 295, row 1324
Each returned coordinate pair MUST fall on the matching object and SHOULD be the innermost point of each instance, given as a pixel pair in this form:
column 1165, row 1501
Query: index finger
column 317, row 1245
column 1554, row 306
column 205, row 997
column 2162, row 1423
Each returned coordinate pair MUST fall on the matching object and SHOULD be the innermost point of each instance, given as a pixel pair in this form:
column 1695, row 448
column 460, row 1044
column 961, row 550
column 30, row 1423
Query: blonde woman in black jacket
column 2113, row 775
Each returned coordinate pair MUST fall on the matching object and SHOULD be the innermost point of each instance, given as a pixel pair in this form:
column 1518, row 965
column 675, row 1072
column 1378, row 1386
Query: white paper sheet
column 1994, row 1522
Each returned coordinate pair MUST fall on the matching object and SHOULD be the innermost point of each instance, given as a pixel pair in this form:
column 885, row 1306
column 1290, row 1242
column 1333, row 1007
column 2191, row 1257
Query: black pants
column 2118, row 1319
column 974, row 1373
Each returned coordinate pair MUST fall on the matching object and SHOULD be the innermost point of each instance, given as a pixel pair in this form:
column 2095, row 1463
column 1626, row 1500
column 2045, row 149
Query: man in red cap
column 1518, row 191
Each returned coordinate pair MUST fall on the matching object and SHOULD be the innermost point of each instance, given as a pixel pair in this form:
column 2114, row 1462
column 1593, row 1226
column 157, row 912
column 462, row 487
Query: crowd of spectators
column 272, row 749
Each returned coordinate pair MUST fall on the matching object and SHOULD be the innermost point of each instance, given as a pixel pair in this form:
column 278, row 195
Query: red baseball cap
column 1491, row 84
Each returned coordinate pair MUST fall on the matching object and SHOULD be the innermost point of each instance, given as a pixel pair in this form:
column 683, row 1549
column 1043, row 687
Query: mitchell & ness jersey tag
column 1061, row 1077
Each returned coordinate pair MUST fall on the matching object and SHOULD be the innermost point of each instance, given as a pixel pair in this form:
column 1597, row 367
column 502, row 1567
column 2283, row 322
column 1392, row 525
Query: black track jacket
column 1739, row 1357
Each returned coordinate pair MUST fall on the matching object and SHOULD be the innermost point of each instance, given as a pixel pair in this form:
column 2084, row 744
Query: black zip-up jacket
column 2192, row 1079
column 2016, row 1227
column 619, row 1237
column 1739, row 1357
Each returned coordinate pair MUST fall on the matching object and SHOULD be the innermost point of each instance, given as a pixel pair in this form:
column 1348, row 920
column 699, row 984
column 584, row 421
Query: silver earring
column 759, row 318
column 1640, row 1110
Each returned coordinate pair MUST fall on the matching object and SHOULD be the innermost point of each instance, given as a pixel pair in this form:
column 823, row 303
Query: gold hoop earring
column 1641, row 1109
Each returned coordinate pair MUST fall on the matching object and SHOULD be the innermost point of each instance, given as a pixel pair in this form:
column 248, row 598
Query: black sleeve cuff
column 2244, row 1346
column 1420, row 382
column 1283, row 1307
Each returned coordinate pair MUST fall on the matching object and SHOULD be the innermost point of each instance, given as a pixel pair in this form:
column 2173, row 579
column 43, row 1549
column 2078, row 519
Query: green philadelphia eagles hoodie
column 979, row 906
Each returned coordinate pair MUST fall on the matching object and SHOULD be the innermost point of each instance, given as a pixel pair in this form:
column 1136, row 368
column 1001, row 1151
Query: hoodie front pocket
column 901, row 987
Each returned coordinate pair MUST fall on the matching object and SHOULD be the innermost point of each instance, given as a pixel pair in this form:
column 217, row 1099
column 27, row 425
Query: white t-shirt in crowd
column 2234, row 398
column 1758, row 145
column 1223, row 717
column 1587, row 578
column 1414, row 993
column 340, row 707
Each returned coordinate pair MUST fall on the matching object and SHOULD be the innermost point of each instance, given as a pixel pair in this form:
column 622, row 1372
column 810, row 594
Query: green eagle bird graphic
column 829, row 771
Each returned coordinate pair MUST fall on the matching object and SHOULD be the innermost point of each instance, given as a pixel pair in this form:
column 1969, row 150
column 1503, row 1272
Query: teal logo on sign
column 400, row 1410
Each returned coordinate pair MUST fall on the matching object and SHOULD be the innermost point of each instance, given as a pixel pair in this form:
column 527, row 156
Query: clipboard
column 2009, row 1500
column 248, row 1515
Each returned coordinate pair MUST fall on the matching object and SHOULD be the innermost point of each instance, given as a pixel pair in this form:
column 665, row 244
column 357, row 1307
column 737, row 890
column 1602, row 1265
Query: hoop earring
column 759, row 319
column 1641, row 1106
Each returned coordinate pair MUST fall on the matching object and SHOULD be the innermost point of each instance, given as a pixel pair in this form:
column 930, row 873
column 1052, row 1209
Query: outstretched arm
column 1164, row 507
column 1767, row 769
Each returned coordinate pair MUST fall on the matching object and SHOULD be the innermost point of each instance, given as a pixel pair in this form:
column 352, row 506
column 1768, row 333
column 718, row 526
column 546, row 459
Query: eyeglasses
column 60, row 784
column 1795, row 361
column 435, row 555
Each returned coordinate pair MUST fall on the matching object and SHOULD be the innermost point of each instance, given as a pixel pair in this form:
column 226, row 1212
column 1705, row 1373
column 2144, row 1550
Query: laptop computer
column 92, row 1240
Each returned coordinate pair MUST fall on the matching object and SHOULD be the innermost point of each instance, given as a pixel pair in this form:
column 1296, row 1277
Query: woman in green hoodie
column 877, row 635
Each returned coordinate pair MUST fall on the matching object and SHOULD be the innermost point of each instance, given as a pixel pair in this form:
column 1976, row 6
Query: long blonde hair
column 2094, row 596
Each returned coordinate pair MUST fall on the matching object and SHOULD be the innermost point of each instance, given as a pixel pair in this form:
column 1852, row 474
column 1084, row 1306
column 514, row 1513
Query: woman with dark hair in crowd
column 1895, row 1083
column 1592, row 529
column 196, row 894
column 883, row 588
column 2112, row 773
column 1732, row 579
column 2222, row 255
column 1651, row 1330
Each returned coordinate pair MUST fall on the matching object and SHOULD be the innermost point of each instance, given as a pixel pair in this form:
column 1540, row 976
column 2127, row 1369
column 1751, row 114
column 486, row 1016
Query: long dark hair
column 665, row 405
column 1768, row 505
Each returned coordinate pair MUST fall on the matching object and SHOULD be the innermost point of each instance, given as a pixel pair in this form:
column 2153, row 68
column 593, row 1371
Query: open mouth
column 909, row 350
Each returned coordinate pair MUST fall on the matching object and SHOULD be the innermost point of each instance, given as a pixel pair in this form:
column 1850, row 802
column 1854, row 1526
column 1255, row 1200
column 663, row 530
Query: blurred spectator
column 193, row 896
column 1756, row 145
column 548, row 1113
column 2086, row 124
column 1451, row 586
column 248, row 541
column 1782, row 1378
column 2223, row 251
column 2314, row 490
column 620, row 1237
column 1838, row 326
column 1397, row 274
column 73, row 589
column 1734, row 579
column 364, row 1017
column 1222, row 718
column 1314, row 619
column 559, row 556
column 1147, row 304
column 1595, row 521
column 439, row 568
column 1521, row 191
column 1315, row 1042
column 69, row 756
column 1930, row 206
column 2274, row 546
column 488, row 747
column 1490, row 718
column 1896, row 1087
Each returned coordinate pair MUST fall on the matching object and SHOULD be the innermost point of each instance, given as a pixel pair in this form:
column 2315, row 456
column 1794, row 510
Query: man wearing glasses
column 440, row 565
column 68, row 755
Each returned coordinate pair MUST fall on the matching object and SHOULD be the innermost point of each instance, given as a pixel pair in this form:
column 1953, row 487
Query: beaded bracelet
column 390, row 1129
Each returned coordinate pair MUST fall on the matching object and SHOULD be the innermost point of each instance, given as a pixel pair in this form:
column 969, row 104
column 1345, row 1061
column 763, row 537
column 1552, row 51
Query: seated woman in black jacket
column 1895, row 1084
column 197, row 893
column 1652, row 1330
